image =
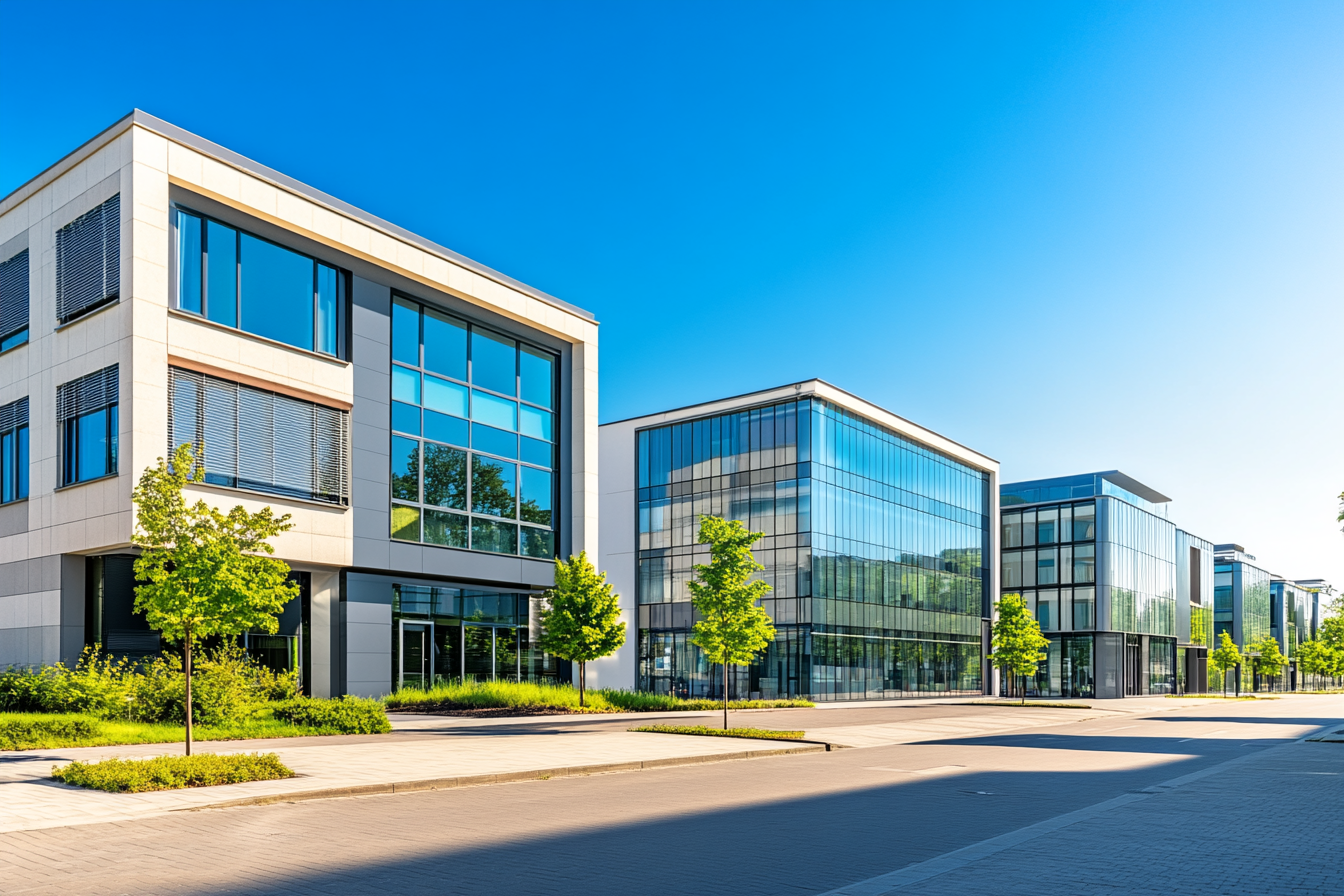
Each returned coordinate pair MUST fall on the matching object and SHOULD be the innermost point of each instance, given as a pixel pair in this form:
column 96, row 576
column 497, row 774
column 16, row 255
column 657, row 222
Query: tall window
column 473, row 449
column 88, row 261
column 86, row 414
column 14, row 301
column 239, row 280
column 258, row 440
column 14, row 451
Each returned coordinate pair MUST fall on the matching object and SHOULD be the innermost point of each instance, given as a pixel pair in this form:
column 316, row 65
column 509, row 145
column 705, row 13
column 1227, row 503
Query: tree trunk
column 581, row 683
column 187, row 666
column 1024, row 690
column 725, row 695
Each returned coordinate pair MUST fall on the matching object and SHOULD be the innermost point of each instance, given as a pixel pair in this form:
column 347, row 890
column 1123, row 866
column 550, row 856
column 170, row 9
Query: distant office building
column 1122, row 594
column 877, row 545
column 1241, row 596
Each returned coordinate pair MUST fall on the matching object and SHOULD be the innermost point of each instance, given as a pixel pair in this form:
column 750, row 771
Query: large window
column 474, row 443
column 88, row 261
column 14, row 301
column 86, row 414
column 259, row 440
column 14, row 451
column 239, row 280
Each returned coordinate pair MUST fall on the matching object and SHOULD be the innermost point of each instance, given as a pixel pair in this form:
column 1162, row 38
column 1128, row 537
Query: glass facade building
column 875, row 546
column 1117, row 588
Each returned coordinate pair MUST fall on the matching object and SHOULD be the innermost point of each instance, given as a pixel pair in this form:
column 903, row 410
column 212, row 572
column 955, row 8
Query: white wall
column 616, row 447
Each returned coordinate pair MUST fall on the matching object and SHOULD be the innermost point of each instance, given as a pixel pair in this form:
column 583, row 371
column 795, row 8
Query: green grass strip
column 756, row 733
column 561, row 697
column 172, row 772
column 52, row 731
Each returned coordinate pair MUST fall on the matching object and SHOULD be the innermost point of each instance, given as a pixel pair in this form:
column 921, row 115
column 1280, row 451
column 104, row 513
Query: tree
column 1017, row 639
column 581, row 622
column 731, row 628
column 203, row 570
column 1226, row 657
column 1270, row 661
column 1313, row 658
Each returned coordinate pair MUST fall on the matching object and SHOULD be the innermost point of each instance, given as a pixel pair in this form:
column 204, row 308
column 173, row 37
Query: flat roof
column 1128, row 483
column 138, row 117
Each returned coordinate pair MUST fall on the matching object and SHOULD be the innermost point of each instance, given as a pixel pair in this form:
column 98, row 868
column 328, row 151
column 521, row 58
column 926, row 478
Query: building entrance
column 417, row 654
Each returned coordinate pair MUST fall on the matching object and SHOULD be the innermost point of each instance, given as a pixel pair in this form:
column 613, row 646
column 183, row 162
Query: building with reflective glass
column 1123, row 595
column 877, row 542
column 429, row 424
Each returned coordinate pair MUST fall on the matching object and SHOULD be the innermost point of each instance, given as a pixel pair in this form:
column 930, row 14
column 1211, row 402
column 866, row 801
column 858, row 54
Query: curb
column 327, row 793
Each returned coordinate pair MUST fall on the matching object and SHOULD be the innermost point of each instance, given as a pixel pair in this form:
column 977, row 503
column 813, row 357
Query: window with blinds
column 88, row 261
column 263, row 441
column 14, row 301
column 86, row 416
column 14, row 451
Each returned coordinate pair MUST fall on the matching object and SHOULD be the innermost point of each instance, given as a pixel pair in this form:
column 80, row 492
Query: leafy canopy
column 1227, row 656
column 731, row 627
column 582, row 622
column 204, row 572
column 1271, row 659
column 1017, row 639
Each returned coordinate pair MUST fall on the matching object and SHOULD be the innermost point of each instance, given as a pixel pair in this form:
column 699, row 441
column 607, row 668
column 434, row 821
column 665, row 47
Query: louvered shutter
column 89, row 393
column 88, row 260
column 14, row 415
column 14, row 294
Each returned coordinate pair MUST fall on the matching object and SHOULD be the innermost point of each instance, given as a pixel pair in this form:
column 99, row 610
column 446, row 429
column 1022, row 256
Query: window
column 88, row 261
column 233, row 278
column 14, row 451
column 260, row 440
column 473, row 450
column 14, row 301
column 86, row 415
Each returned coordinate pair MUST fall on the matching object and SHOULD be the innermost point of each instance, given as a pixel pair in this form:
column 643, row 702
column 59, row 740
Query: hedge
column 172, row 772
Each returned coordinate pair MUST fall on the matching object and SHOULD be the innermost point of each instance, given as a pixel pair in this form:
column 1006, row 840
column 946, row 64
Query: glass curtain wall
column 1049, row 557
column 874, row 547
column 1142, row 555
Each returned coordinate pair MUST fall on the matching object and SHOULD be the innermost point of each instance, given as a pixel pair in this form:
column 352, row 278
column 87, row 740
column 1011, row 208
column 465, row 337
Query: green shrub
column 17, row 733
column 757, row 733
column 345, row 715
column 98, row 685
column 172, row 772
column 227, row 687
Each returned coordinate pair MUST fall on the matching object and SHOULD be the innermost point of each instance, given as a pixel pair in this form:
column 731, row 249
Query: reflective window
column 86, row 412
column 14, row 451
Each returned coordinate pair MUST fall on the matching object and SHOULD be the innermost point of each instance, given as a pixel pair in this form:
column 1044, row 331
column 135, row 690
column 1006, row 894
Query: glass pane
column 493, row 411
column 445, row 478
column 326, row 309
column 23, row 462
column 449, row 398
column 498, row 538
column 1029, row 528
column 406, row 333
column 1046, row 569
column 405, row 469
column 442, row 428
column 189, row 263
column 493, row 487
column 8, row 479
column 221, row 265
column 537, row 373
column 539, row 453
column 1084, row 563
column 406, row 417
column 1047, row 522
column 532, row 422
column 479, row 652
column 1012, row 530
column 405, row 385
column 534, row 496
column 1084, row 522
column 92, row 446
column 405, row 523
column 506, row 654
column 538, row 542
column 494, row 362
column 447, row 529
column 494, row 441
column 445, row 346
column 277, row 293
column 1047, row 610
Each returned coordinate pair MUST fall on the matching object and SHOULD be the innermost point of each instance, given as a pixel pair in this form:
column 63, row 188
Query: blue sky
column 1073, row 236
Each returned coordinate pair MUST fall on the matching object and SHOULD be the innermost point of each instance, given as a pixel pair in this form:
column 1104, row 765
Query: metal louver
column 87, row 394
column 88, row 260
column 260, row 440
column 14, row 415
column 14, row 294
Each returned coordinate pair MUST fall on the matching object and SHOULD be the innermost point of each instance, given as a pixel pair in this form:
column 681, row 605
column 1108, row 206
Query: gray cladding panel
column 14, row 519
column 30, row 576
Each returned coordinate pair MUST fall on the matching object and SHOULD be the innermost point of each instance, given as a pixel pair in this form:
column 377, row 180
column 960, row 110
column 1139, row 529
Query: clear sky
column 1073, row 236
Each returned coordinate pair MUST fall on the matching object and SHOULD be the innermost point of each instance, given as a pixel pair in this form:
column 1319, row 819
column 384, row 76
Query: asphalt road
column 789, row 825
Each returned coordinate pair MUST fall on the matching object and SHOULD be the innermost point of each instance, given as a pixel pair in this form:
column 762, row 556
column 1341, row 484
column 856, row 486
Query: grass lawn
column 172, row 772
column 756, row 733
column 456, row 696
column 49, row 731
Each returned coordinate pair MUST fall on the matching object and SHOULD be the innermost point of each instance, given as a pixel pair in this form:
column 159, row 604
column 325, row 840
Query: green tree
column 203, row 571
column 1017, row 639
column 1313, row 658
column 731, row 628
column 1225, row 658
column 1270, row 659
column 581, row 622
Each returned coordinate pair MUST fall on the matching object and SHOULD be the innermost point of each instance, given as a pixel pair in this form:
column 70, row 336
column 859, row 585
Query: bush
column 757, row 733
column 17, row 733
column 345, row 715
column 172, row 772
column 98, row 685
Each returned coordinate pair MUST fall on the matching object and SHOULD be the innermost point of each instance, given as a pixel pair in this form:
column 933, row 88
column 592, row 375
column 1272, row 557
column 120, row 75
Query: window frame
column 18, row 336
column 15, row 458
column 70, row 445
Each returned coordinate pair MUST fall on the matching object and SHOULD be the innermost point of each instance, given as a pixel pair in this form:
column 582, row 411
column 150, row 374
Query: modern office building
column 877, row 545
column 429, row 423
column 1241, row 596
column 1122, row 594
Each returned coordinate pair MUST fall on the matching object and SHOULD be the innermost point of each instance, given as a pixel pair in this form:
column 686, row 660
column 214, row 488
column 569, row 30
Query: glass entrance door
column 417, row 654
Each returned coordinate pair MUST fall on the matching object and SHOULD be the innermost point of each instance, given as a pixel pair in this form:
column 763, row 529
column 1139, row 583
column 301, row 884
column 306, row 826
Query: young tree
column 1017, row 639
column 731, row 628
column 203, row 570
column 1270, row 661
column 582, row 620
column 1313, row 659
column 1225, row 658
